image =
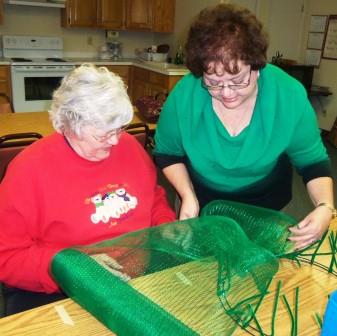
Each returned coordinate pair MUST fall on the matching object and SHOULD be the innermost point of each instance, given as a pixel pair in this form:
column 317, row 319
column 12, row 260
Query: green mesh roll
column 201, row 276
column 267, row 228
column 116, row 304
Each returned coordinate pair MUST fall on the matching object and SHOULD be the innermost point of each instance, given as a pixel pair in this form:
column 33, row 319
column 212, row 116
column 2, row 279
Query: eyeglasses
column 113, row 132
column 230, row 86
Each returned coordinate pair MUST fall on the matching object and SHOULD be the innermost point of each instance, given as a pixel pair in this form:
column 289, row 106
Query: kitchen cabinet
column 152, row 15
column 110, row 14
column 107, row 14
column 144, row 15
column 146, row 82
column 79, row 13
column 163, row 16
column 1, row 12
column 124, row 72
column 5, row 80
column 139, row 14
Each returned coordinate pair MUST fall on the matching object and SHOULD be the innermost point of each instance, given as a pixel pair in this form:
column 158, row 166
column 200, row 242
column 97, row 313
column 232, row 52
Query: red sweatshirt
column 51, row 199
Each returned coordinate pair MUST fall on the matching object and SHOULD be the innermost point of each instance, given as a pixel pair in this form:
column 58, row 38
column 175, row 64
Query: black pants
column 19, row 300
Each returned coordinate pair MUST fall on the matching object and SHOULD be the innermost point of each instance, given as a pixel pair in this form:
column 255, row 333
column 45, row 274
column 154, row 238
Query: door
column 285, row 28
column 111, row 14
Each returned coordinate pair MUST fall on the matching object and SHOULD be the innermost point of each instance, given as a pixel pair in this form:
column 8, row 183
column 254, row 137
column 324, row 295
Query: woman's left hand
column 311, row 228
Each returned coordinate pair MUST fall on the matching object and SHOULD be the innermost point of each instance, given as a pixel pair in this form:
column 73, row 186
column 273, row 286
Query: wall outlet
column 112, row 34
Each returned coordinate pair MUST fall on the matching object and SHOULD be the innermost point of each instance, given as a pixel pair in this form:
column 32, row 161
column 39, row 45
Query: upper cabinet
column 145, row 15
column 163, row 15
column 110, row 14
column 1, row 12
column 139, row 14
column 79, row 13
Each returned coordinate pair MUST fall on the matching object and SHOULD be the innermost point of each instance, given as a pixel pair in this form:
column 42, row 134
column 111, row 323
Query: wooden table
column 315, row 285
column 39, row 122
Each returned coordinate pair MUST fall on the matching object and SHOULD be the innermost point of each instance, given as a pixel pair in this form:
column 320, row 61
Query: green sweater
column 283, row 122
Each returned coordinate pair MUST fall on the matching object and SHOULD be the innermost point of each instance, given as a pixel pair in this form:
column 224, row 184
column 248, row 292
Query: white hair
column 90, row 96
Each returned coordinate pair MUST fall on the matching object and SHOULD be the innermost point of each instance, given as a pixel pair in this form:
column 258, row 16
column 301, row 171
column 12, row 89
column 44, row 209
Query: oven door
column 33, row 85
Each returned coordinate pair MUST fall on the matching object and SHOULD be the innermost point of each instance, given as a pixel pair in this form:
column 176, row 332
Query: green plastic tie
column 276, row 300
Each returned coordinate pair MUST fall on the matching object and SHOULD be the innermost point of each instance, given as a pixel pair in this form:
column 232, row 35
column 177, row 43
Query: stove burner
column 55, row 59
column 20, row 59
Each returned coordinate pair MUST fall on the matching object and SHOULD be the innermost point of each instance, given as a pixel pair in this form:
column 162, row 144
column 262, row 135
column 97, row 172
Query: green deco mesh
column 204, row 275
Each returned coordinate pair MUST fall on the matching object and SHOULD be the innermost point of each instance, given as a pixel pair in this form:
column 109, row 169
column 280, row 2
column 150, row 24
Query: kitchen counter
column 160, row 67
column 5, row 61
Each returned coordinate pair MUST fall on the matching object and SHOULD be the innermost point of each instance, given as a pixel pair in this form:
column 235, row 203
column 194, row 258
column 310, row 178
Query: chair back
column 5, row 104
column 141, row 132
column 11, row 145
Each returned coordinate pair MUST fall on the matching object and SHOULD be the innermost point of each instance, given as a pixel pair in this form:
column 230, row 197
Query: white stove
column 37, row 68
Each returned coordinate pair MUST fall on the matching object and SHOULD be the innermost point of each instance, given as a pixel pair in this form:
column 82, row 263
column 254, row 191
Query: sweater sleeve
column 24, row 258
column 306, row 150
column 161, row 211
column 168, row 139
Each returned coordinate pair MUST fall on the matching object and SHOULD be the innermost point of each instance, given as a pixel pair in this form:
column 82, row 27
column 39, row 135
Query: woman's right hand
column 189, row 207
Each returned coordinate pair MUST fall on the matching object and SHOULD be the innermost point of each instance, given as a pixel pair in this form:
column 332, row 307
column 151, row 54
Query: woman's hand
column 189, row 207
column 311, row 228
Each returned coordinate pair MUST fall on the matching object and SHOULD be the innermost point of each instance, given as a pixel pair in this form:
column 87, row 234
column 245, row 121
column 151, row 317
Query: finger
column 298, row 238
column 300, row 225
column 300, row 231
column 187, row 216
column 304, row 244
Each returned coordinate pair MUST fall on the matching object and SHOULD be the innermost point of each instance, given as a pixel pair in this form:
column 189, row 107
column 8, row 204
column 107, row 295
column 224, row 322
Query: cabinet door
column 124, row 72
column 139, row 89
column 5, row 80
column 163, row 16
column 139, row 14
column 1, row 12
column 111, row 14
column 154, row 89
column 79, row 13
column 140, row 81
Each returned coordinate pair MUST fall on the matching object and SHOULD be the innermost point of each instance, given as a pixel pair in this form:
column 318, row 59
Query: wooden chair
column 11, row 145
column 6, row 105
column 141, row 132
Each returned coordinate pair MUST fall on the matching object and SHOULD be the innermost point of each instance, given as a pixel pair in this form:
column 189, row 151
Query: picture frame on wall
column 318, row 23
column 315, row 41
column 313, row 57
column 330, row 42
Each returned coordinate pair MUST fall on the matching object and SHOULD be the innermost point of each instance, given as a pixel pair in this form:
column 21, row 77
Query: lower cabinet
column 147, row 82
column 124, row 72
column 5, row 81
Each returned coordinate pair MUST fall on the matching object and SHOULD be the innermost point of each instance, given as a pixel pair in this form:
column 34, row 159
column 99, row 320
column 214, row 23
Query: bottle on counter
column 179, row 59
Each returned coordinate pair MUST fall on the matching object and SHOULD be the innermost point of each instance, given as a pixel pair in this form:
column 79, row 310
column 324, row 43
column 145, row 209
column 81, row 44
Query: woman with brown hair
column 232, row 127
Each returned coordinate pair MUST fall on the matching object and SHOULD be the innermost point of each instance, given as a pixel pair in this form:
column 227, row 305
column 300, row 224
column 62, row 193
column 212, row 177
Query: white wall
column 326, row 74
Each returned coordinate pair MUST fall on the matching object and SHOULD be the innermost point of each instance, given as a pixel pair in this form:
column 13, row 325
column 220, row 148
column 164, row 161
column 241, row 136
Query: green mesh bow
column 201, row 276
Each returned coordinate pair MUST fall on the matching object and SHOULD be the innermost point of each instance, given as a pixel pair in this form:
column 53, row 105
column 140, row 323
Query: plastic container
column 155, row 57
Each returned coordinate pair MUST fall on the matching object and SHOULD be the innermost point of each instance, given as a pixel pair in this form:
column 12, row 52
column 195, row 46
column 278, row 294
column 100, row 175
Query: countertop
column 160, row 67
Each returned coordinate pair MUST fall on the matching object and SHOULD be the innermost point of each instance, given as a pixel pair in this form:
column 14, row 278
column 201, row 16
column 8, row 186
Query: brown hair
column 227, row 34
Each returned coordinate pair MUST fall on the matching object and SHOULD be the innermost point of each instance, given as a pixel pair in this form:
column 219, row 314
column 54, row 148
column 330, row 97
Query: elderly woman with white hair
column 87, row 182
